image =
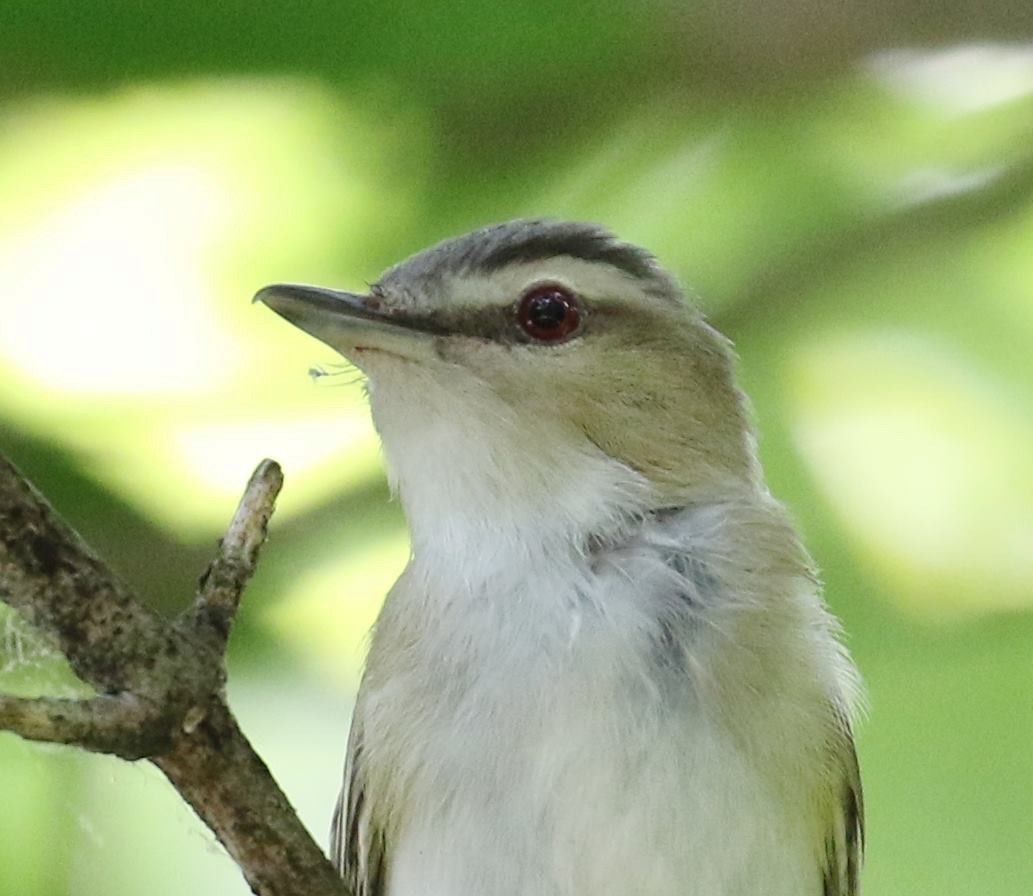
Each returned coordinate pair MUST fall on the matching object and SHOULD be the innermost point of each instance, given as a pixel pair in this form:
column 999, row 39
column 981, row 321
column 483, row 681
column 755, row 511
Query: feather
column 356, row 842
column 844, row 845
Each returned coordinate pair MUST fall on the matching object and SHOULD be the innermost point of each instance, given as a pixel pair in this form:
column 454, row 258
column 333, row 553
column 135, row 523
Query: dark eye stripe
column 497, row 323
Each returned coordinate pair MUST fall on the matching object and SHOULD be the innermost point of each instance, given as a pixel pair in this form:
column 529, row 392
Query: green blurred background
column 849, row 191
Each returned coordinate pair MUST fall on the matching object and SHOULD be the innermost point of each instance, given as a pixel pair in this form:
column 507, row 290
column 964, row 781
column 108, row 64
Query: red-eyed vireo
column 607, row 669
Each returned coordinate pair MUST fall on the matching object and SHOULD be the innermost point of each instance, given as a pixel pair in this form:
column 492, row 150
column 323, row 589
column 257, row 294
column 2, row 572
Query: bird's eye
column 549, row 313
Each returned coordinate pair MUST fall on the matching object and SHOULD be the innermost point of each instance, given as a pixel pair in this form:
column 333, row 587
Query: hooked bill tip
column 266, row 293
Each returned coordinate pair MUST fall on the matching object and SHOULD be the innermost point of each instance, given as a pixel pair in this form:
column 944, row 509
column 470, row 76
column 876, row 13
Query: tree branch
column 159, row 682
column 116, row 725
column 225, row 579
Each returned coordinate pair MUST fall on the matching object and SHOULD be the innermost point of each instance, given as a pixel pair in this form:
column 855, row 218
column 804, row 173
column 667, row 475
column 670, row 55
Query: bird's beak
column 348, row 322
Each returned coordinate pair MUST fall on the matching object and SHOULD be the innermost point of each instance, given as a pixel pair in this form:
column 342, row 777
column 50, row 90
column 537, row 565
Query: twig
column 118, row 724
column 225, row 579
column 159, row 683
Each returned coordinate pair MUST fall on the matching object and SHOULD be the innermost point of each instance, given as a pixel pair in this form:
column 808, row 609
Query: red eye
column 549, row 313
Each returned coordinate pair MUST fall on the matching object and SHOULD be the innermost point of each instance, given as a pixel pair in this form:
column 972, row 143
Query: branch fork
column 160, row 684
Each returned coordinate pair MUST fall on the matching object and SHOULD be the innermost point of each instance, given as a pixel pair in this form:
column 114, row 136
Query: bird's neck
column 490, row 494
column 478, row 520
column 482, row 487
column 483, row 525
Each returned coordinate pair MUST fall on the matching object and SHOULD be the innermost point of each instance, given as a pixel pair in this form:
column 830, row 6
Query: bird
column 607, row 667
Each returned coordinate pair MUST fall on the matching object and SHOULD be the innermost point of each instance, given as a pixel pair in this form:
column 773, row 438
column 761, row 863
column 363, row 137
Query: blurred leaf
column 929, row 465
column 128, row 277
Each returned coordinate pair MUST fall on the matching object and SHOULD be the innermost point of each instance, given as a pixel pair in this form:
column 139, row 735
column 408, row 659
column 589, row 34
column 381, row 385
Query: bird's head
column 537, row 364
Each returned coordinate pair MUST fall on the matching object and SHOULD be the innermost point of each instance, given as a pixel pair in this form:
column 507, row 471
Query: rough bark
column 159, row 683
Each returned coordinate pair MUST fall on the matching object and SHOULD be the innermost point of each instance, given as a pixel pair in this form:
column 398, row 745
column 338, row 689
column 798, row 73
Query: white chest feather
column 577, row 734
column 588, row 791
column 647, row 715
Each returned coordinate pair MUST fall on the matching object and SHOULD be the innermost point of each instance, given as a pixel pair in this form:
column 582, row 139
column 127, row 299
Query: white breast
column 537, row 746
column 595, row 808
